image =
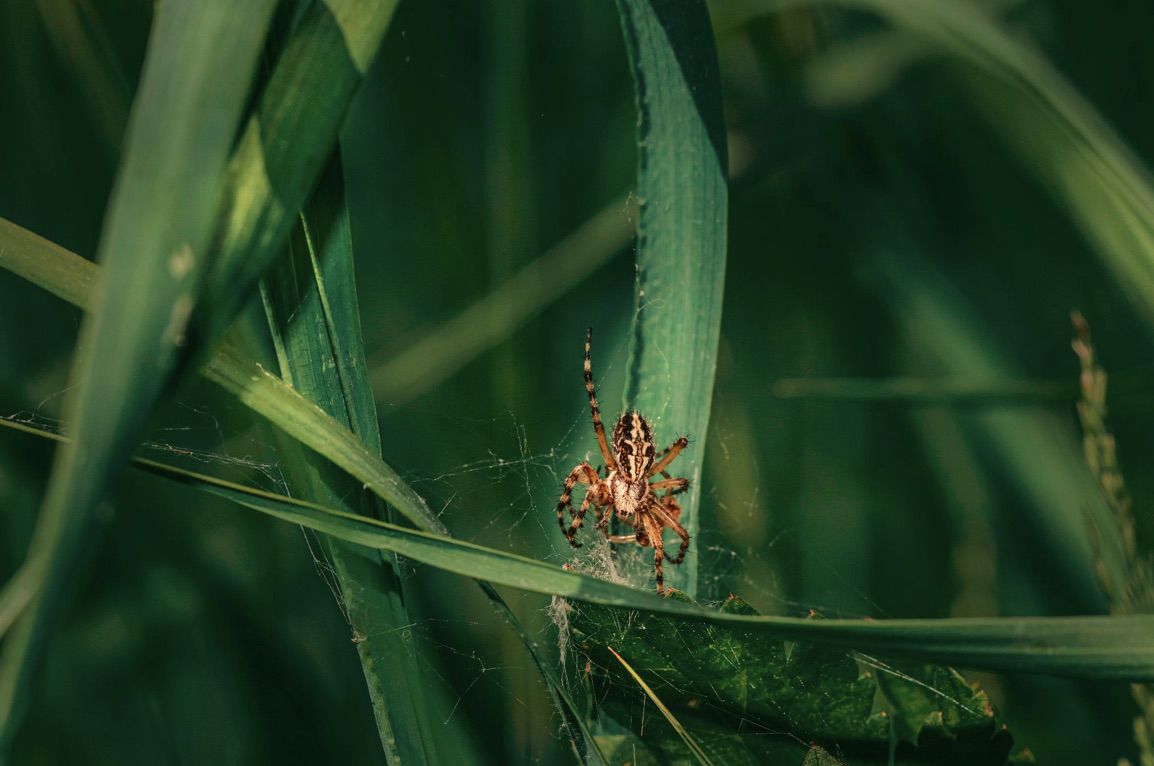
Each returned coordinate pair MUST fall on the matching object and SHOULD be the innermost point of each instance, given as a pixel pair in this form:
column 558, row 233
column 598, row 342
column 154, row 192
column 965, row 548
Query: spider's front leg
column 675, row 486
column 583, row 473
column 671, row 452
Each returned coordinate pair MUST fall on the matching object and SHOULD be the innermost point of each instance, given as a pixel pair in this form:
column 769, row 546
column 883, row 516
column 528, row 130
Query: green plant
column 249, row 187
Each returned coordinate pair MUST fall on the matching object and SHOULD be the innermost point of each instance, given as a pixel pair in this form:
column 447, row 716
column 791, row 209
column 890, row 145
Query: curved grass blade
column 1045, row 120
column 1100, row 647
column 1108, row 648
column 72, row 278
column 681, row 230
column 154, row 248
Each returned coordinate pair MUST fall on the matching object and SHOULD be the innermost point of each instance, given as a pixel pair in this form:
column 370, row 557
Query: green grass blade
column 681, row 186
column 47, row 265
column 312, row 309
column 154, row 248
column 284, row 147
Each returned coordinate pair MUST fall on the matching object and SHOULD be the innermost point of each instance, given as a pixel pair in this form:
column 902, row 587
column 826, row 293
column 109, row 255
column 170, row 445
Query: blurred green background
column 897, row 218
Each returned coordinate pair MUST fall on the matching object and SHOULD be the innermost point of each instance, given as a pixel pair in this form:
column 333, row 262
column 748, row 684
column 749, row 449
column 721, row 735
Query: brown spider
column 628, row 489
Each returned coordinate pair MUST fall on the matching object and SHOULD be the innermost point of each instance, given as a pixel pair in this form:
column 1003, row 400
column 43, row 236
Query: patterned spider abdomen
column 633, row 446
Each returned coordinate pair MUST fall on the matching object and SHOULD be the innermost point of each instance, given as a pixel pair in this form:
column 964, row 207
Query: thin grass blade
column 311, row 304
column 1114, row 647
column 1099, row 647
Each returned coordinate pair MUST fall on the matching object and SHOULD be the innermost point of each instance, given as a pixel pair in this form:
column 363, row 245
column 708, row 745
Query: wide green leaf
column 681, row 233
column 748, row 700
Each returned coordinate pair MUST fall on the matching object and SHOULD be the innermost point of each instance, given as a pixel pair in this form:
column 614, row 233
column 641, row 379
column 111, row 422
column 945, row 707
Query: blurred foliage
column 892, row 232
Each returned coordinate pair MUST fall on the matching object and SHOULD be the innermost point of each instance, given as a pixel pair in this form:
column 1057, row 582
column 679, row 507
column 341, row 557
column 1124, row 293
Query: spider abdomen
column 633, row 445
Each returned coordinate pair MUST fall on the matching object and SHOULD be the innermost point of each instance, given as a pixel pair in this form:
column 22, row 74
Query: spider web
column 504, row 495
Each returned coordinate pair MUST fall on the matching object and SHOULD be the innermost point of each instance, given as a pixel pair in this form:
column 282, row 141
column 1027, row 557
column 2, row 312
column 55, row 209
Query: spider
column 628, row 488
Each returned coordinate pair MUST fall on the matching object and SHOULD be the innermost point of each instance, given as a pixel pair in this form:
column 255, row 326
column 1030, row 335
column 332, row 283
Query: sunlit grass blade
column 285, row 144
column 683, row 201
column 71, row 278
column 154, row 248
column 47, row 265
column 311, row 304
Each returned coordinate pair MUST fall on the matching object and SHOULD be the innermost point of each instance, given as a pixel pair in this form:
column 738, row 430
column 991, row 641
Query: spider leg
column 604, row 514
column 654, row 528
column 602, row 442
column 622, row 538
column 571, row 533
column 582, row 473
column 667, row 457
column 675, row 486
column 667, row 510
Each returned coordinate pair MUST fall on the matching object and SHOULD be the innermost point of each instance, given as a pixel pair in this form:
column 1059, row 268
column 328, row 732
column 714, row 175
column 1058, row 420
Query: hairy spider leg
column 571, row 534
column 584, row 474
column 675, row 486
column 654, row 533
column 598, row 426
column 667, row 457
column 668, row 511
column 605, row 514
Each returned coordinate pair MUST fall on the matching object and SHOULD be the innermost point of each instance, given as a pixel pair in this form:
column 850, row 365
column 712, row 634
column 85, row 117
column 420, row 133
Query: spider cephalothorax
column 628, row 489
